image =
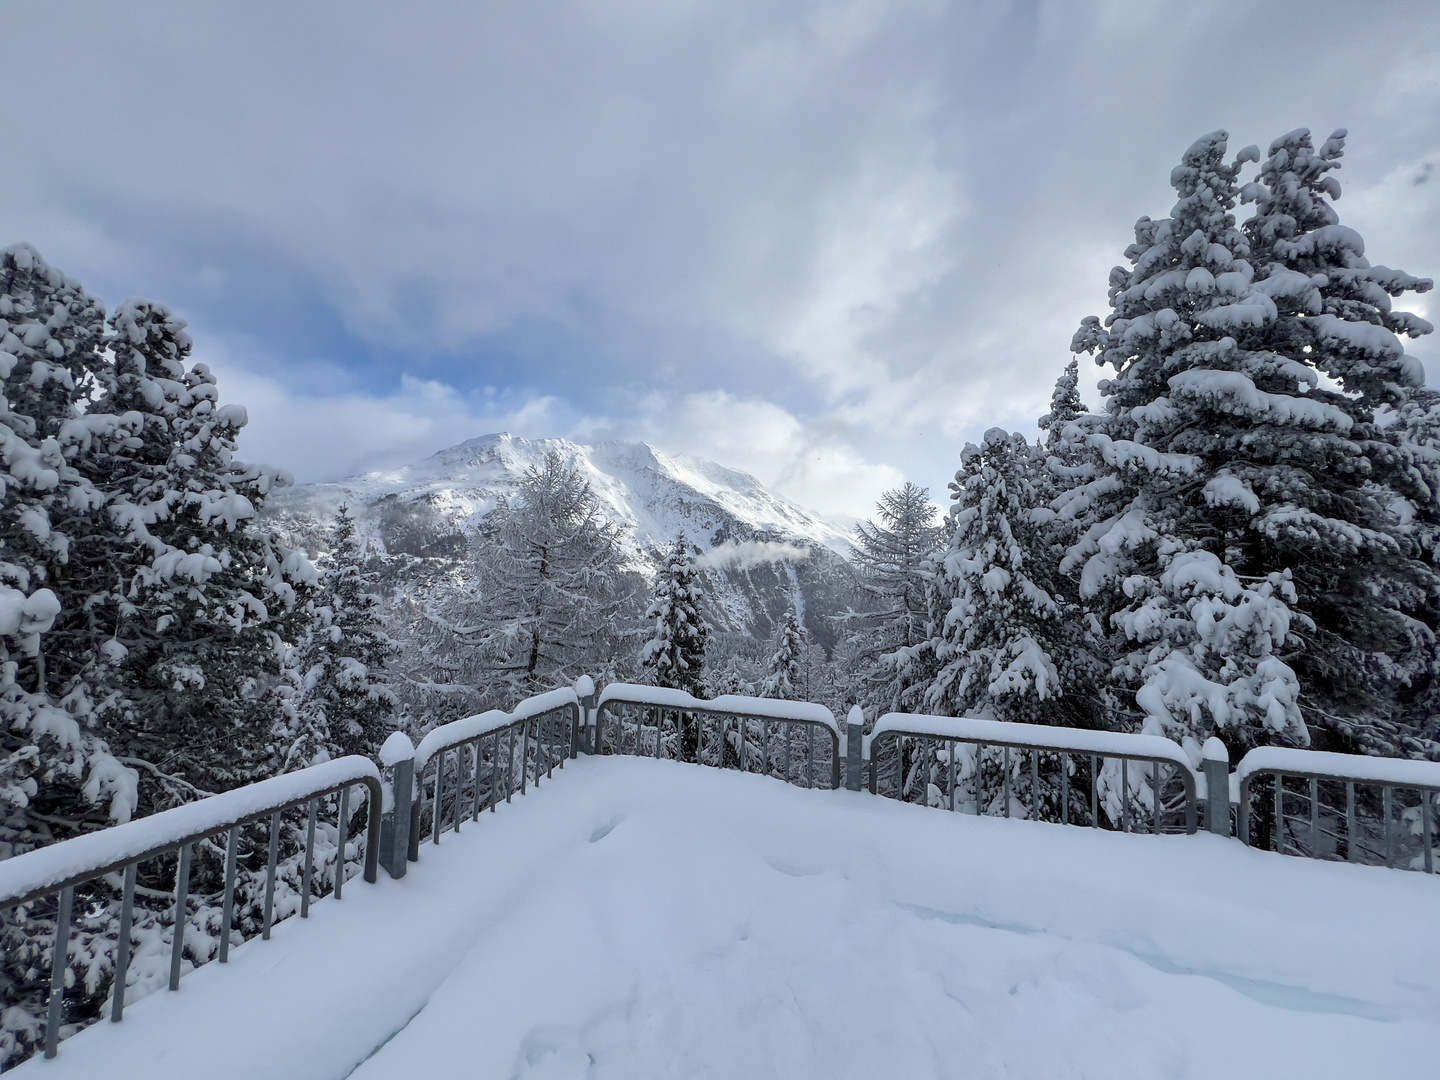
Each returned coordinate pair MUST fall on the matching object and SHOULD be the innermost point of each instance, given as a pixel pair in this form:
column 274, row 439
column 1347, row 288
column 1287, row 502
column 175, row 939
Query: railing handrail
column 47, row 870
column 1110, row 744
column 1327, row 765
column 755, row 708
column 467, row 729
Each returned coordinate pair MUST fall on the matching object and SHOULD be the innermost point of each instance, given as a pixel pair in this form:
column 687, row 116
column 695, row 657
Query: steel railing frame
column 555, row 719
column 58, row 869
column 1066, row 743
column 745, row 711
column 1277, row 764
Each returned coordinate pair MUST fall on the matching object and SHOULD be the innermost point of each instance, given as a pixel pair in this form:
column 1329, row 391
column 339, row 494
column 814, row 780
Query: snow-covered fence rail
column 90, row 864
column 483, row 759
column 1142, row 782
column 1339, row 806
column 762, row 735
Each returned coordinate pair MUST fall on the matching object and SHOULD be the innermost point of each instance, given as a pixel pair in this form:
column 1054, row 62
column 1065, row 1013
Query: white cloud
column 342, row 434
column 748, row 553
column 855, row 234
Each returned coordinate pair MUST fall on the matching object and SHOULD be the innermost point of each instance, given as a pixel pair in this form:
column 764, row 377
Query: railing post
column 1217, row 783
column 854, row 744
column 585, row 691
column 398, row 757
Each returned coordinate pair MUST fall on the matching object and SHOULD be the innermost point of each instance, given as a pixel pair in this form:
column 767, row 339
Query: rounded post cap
column 397, row 748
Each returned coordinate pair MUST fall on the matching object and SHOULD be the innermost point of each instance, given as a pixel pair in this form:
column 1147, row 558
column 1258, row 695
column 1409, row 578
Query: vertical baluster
column 1155, row 793
column 979, row 779
column 765, row 747
column 342, row 839
column 437, row 814
column 551, row 755
column 1387, row 796
column 510, row 764
column 59, row 965
column 789, row 731
column 309, row 871
column 1352, row 842
column 1425, row 797
column 1064, row 789
column 1314, row 818
column 474, row 805
column 659, row 733
column 525, row 755
column 493, row 796
column 1034, row 785
column 744, row 738
column 900, row 768
column 809, row 756
column 122, row 945
column 1125, row 795
column 270, row 862
column 1005, row 781
column 1094, row 793
column 459, row 782
column 182, row 897
column 1279, row 813
column 227, row 910
column 952, row 776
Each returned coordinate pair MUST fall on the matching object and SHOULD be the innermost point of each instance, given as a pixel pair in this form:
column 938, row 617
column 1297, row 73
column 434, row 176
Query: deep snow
column 649, row 919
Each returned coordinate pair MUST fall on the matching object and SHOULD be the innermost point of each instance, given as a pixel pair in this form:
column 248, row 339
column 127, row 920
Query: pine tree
column 342, row 703
column 676, row 654
column 556, row 600
column 782, row 673
column 1007, row 641
column 1243, row 510
column 889, row 561
column 57, row 774
column 194, row 658
column 1065, row 405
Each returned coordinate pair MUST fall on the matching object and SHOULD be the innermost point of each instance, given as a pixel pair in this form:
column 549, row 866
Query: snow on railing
column 1347, row 806
column 89, row 862
column 752, row 734
column 545, row 729
column 1132, row 776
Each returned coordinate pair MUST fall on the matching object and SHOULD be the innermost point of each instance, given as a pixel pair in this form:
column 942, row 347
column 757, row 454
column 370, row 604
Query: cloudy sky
column 823, row 242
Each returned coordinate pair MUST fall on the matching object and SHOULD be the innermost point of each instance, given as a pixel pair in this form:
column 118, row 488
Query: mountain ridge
column 760, row 551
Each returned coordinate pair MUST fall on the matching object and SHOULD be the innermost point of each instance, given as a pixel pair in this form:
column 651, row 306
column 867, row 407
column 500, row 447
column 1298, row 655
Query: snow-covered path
column 645, row 919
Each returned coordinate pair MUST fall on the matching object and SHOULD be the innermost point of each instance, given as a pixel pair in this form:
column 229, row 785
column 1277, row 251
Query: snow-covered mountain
column 761, row 550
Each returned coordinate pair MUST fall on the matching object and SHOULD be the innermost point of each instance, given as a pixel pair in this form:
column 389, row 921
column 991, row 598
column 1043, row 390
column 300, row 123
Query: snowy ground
column 644, row 919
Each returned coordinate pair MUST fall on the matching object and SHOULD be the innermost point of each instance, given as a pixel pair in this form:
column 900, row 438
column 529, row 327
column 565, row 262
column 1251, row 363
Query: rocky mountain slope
column 761, row 552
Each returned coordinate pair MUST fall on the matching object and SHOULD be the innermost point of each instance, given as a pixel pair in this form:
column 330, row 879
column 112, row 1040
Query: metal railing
column 90, row 862
column 1350, row 808
column 1141, row 782
column 756, row 735
column 1320, row 805
column 495, row 755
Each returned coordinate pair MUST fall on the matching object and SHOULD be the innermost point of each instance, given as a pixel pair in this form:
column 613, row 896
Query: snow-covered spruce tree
column 1242, row 503
column 675, row 655
column 1065, row 405
column 206, row 594
column 889, row 560
column 1371, row 595
column 340, row 702
column 57, row 774
column 782, row 672
column 1003, row 630
column 556, row 601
